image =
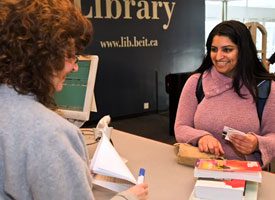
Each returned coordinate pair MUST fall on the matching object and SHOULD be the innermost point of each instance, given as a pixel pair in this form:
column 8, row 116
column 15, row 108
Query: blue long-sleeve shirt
column 42, row 155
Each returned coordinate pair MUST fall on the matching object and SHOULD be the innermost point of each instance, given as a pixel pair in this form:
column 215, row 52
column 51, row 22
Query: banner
column 138, row 43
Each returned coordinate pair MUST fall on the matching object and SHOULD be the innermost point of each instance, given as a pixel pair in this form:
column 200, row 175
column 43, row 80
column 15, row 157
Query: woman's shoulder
column 191, row 83
column 44, row 122
column 193, row 79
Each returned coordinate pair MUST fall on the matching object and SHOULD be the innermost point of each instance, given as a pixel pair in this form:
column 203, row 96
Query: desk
column 167, row 180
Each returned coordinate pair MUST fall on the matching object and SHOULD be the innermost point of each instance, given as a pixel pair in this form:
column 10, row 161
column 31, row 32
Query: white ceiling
column 249, row 3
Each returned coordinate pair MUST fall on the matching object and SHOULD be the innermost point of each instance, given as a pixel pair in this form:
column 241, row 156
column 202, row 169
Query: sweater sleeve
column 184, row 123
column 125, row 196
column 58, row 168
column 267, row 137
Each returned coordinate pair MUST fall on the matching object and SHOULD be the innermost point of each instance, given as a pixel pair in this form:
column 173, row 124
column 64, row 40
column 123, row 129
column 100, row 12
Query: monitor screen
column 76, row 100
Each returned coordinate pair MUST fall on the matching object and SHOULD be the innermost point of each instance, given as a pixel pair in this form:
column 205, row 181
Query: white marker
column 141, row 176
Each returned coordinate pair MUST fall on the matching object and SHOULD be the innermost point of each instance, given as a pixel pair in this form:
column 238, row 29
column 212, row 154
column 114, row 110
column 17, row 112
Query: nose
column 219, row 54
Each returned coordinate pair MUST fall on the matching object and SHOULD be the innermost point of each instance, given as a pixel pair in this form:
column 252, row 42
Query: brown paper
column 188, row 154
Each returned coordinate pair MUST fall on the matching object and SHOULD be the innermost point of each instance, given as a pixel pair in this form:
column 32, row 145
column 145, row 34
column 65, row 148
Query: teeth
column 222, row 63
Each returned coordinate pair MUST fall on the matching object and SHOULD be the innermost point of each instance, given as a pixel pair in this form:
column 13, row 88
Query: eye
column 214, row 49
column 76, row 59
column 227, row 49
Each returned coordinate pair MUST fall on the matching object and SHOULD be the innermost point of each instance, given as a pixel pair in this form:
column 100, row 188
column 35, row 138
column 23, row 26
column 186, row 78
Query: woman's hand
column 245, row 144
column 140, row 190
column 209, row 144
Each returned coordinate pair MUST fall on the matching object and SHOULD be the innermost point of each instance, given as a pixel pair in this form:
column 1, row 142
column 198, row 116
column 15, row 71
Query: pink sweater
column 221, row 107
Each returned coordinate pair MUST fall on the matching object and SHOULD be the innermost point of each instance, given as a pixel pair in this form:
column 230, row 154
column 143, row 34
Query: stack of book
column 226, row 179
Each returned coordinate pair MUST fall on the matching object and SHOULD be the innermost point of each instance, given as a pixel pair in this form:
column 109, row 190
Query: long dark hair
column 249, row 70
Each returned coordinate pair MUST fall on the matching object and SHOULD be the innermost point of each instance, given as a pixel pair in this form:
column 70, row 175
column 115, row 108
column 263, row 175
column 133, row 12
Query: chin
column 222, row 70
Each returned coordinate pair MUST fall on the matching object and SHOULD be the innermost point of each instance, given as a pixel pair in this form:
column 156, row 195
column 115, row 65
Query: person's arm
column 58, row 167
column 251, row 143
column 125, row 196
column 266, row 140
column 137, row 192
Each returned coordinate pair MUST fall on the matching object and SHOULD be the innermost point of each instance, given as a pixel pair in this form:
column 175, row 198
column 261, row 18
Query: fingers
column 209, row 144
column 242, row 149
column 212, row 146
column 246, row 144
column 144, row 196
column 221, row 149
column 203, row 147
column 144, row 186
column 140, row 191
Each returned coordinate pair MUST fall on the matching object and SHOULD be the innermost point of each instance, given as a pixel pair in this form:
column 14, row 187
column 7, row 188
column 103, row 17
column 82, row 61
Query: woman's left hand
column 245, row 144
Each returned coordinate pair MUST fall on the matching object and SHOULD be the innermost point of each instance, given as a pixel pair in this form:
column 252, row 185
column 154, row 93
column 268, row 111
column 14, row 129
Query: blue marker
column 141, row 176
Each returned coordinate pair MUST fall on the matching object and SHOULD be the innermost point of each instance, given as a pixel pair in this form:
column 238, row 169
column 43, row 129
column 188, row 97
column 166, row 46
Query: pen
column 141, row 176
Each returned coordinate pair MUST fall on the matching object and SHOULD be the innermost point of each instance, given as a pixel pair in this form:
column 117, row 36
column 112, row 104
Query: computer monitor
column 77, row 100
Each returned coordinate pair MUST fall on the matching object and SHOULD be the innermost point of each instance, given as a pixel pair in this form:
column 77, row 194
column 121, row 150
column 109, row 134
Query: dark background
column 129, row 77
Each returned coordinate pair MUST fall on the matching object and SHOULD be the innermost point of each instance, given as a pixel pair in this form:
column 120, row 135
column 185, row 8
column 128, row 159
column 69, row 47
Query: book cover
column 213, row 188
column 228, row 169
column 106, row 162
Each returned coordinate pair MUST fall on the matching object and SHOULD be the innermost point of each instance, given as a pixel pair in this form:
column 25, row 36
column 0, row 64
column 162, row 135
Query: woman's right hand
column 209, row 144
column 140, row 190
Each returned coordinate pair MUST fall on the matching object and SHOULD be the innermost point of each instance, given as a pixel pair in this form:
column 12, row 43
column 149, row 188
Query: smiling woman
column 43, row 156
column 247, row 11
column 224, row 55
column 230, row 73
column 60, row 76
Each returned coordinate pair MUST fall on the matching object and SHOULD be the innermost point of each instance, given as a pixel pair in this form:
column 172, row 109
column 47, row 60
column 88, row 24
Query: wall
column 139, row 43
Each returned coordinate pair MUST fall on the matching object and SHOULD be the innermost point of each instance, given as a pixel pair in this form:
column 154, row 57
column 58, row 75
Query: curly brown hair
column 35, row 37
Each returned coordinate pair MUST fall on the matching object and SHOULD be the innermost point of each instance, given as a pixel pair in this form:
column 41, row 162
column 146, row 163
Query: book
column 251, row 192
column 213, row 188
column 108, row 168
column 111, row 183
column 228, row 169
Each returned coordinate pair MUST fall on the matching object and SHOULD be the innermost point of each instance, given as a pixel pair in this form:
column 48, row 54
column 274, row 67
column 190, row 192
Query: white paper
column 231, row 131
column 106, row 161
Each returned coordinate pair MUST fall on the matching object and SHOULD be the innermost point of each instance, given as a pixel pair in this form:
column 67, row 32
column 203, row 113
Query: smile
column 222, row 63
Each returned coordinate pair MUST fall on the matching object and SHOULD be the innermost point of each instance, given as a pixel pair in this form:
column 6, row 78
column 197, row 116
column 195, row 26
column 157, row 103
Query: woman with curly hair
column 42, row 155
